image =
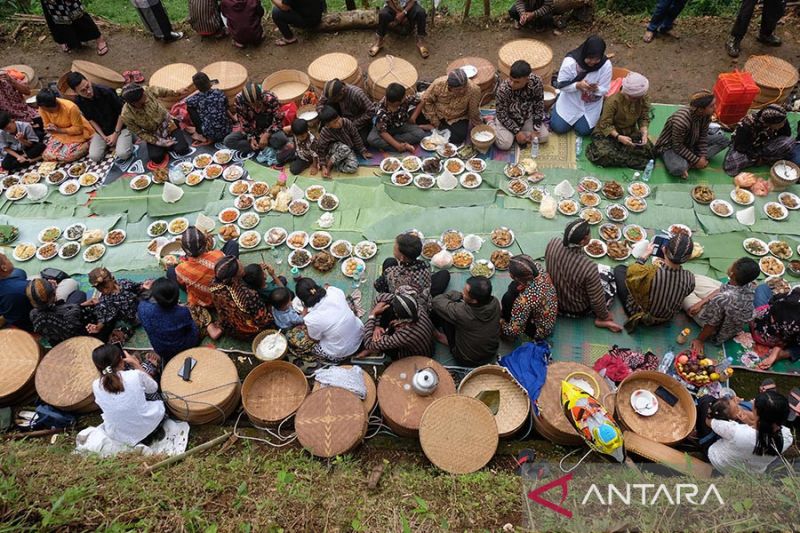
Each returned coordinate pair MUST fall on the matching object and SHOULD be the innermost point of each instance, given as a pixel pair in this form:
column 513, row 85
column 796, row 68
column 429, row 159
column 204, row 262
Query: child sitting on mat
column 339, row 143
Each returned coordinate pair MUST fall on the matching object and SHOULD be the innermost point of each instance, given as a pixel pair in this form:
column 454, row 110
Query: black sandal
column 766, row 385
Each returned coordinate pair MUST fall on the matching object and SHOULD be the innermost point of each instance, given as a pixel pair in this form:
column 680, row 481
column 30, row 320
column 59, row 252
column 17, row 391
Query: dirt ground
column 675, row 67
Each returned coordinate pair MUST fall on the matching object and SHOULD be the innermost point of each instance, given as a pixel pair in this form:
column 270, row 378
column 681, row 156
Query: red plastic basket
column 734, row 93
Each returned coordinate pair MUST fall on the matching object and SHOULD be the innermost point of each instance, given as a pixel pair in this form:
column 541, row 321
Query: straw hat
column 664, row 455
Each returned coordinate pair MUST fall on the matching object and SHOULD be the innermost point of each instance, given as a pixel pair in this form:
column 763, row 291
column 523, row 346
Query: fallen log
column 181, row 456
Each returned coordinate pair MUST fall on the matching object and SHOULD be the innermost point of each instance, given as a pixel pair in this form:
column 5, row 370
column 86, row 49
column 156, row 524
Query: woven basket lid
column 515, row 405
column 230, row 75
column 458, row 434
column 372, row 391
column 551, row 411
column 670, row 424
column 65, row 375
column 330, row 422
column 486, row 70
column 176, row 77
column 330, row 66
column 273, row 391
column 98, row 73
column 214, row 380
column 772, row 72
column 664, row 455
column 27, row 71
column 536, row 53
column 19, row 357
column 391, row 69
column 400, row 404
column 287, row 85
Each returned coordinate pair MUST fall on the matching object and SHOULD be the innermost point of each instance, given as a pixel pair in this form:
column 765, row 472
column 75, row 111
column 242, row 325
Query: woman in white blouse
column 584, row 79
column 128, row 417
column 329, row 321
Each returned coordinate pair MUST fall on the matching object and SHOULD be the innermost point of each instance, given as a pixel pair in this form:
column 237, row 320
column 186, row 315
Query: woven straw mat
column 273, row 391
column 214, row 380
column 372, row 391
column 176, row 76
column 330, row 422
column 535, row 52
column 65, row 375
column 229, row 74
column 330, row 66
column 658, row 453
column 19, row 357
column 515, row 405
column 391, row 69
column 772, row 72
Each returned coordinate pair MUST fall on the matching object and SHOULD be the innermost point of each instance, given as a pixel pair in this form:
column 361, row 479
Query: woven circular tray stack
column 515, row 405
column 390, row 69
column 664, row 455
column 538, row 54
column 212, row 393
column 458, row 434
column 176, row 77
column 19, row 357
column 287, row 85
column 98, row 73
column 775, row 77
column 372, row 391
column 551, row 422
column 27, row 71
column 670, row 424
column 486, row 76
column 231, row 76
column 273, row 391
column 335, row 65
column 65, row 375
column 401, row 406
column 330, row 422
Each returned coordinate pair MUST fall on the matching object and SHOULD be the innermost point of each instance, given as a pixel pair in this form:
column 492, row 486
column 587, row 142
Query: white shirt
column 334, row 325
column 569, row 105
column 127, row 416
column 734, row 449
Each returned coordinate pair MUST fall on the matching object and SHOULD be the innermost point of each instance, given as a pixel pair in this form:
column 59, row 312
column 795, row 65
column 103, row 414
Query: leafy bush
column 693, row 7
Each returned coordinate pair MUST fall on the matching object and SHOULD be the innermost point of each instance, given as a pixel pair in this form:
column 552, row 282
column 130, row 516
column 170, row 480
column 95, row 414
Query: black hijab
column 594, row 46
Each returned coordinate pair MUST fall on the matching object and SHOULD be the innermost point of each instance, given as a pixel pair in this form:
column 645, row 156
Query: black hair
column 5, row 119
column 480, row 289
column 327, row 115
column 745, row 270
column 46, row 98
column 520, row 69
column 280, row 297
column 254, row 276
column 165, row 292
column 395, row 92
column 309, row 292
column 772, row 409
column 74, row 79
column 721, row 409
column 409, row 245
column 299, row 126
column 104, row 357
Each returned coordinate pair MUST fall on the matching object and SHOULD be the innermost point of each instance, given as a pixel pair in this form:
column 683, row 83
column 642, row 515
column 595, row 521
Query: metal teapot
column 425, row 381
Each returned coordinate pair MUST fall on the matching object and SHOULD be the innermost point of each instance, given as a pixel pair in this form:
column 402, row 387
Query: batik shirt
column 121, row 305
column 212, row 107
column 729, row 310
column 268, row 120
column 534, row 311
column 240, row 310
column 416, row 275
column 151, row 123
column 306, row 149
column 514, row 108
column 393, row 120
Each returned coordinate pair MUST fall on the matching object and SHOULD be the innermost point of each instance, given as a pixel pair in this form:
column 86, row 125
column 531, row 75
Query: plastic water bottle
column 535, row 147
column 648, row 170
column 357, row 276
column 578, row 144
column 666, row 362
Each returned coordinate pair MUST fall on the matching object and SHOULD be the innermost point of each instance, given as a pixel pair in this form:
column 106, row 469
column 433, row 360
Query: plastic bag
column 172, row 193
column 282, row 201
column 439, row 137
column 446, row 181
column 564, row 190
column 443, row 260
column 548, row 206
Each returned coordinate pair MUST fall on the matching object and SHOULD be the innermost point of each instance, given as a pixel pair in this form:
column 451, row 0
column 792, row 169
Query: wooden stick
column 187, row 453
column 26, row 434
column 487, row 9
column 17, row 30
column 467, row 5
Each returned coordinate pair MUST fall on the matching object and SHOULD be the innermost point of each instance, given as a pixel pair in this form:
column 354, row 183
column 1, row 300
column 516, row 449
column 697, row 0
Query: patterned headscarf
column 251, row 93
column 457, row 78
column 132, row 92
column 701, row 99
column 100, row 276
column 635, row 85
column 226, row 269
column 575, row 232
column 333, row 88
column 194, row 242
column 679, row 248
column 41, row 293
column 405, row 307
column 772, row 114
column 522, row 267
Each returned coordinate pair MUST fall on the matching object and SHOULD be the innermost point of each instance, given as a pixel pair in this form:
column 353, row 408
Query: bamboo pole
column 467, row 5
column 487, row 8
column 187, row 453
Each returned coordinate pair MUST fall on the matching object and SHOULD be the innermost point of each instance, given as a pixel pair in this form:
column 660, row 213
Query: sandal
column 648, row 36
column 237, row 44
column 423, row 51
column 375, row 48
column 65, row 48
column 102, row 49
column 285, row 42
column 767, row 384
column 794, row 404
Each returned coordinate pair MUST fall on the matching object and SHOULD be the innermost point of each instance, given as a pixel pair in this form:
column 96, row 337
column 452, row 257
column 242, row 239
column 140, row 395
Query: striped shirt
column 355, row 105
column 347, row 134
column 539, row 8
column 577, row 280
column 686, row 134
column 415, row 338
column 670, row 287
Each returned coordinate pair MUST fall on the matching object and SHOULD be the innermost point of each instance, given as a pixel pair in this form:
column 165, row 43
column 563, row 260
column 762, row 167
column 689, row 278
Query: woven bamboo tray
column 176, row 77
column 335, row 65
column 98, row 73
column 486, row 76
column 775, row 77
column 214, row 386
column 551, row 422
column 287, row 85
column 390, row 69
column 273, row 391
column 27, row 71
column 19, row 357
column 65, row 375
column 313, row 124
column 372, row 391
column 330, row 422
column 515, row 404
column 231, row 76
column 401, row 407
column 536, row 53
column 664, row 455
column 458, row 434
column 670, row 424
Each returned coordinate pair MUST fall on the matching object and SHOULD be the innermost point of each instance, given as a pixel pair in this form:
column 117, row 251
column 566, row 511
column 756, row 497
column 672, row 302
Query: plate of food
column 590, row 184
column 780, row 249
column 18, row 192
column 703, row 194
column 592, row 215
column 452, row 239
column 202, row 161
column 454, row 166
column 633, row 233
column 299, row 258
column 428, row 145
column 589, row 199
column 743, row 196
column 794, row 268
column 238, row 188
column 75, row 231
column 596, row 248
column 75, row 170
column 275, row 236
column 141, row 182
column 320, row 240
column 155, row 245
column 243, row 202
column 635, row 204
column 411, row 163
column 470, row 180
column 24, row 251
column 228, row 232
column 54, row 178
column 213, row 171
column 49, row 234
column 257, row 188
column 262, row 204
column 323, row 261
column 537, row 194
column 115, row 237
column 535, row 177
column 298, row 207
column 612, row 190
column 476, row 164
column 185, row 167
column 770, row 266
column 424, row 181
column 432, row 165
column 616, row 213
column 568, row 207
column 328, row 202
column 775, row 211
column 519, row 187
column 352, row 265
column 502, row 237
column 755, row 247
column 8, row 181
column 157, row 228
column 69, row 187
column 233, row 173
column 249, row 239
column 249, row 220
column 513, row 171
column 223, row 157
column 463, row 259
column 789, row 200
column 639, row 189
column 297, row 239
column 178, row 225
column 94, row 253
column 228, row 215
column 69, row 250
column 314, row 192
column 390, row 165
column 500, row 259
column 431, row 247
column 365, row 250
column 194, row 178
column 341, row 249
column 618, row 250
column 678, row 229
column 447, row 150
column 721, row 208
column 482, row 268
column 610, row 232
column 47, row 251
column 88, row 179
column 31, row 178
column 401, row 178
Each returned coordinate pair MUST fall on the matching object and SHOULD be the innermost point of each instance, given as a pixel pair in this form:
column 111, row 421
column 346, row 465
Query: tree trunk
column 487, row 9
column 467, row 5
column 350, row 4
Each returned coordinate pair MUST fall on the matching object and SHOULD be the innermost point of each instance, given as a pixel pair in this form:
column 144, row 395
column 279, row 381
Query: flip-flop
column 423, row 51
column 525, row 459
column 648, row 36
column 284, row 42
column 767, row 384
column 794, row 404
column 102, row 50
column 373, row 51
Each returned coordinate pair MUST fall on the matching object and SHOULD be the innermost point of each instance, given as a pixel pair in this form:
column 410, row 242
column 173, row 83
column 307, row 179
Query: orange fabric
column 68, row 117
column 196, row 274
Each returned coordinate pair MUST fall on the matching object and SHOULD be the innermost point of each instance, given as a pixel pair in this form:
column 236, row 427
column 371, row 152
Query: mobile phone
column 185, row 373
column 667, row 396
column 658, row 245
